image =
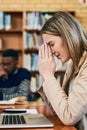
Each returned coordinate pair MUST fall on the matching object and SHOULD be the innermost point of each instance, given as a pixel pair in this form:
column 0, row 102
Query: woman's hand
column 46, row 62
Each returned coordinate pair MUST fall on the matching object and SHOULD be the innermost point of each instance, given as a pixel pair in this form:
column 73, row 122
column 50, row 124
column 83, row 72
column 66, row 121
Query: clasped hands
column 46, row 62
column 3, row 73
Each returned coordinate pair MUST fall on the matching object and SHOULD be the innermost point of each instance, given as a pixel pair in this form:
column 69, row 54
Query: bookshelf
column 12, row 35
column 21, row 31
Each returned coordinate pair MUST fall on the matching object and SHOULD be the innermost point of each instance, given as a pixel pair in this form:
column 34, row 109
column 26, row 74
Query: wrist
column 48, row 77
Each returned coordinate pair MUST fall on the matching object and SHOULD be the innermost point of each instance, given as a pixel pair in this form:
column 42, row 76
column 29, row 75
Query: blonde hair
column 69, row 28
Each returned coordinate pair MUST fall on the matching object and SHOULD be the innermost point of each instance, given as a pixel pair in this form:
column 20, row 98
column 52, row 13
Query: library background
column 20, row 24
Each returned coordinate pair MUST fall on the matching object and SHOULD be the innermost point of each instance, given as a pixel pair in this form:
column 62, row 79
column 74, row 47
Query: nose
column 53, row 52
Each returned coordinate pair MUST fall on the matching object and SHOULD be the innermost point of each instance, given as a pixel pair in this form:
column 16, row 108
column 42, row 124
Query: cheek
column 65, row 53
column 57, row 47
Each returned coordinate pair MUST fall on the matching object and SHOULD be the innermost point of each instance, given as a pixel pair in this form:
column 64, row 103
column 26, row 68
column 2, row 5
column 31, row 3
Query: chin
column 64, row 60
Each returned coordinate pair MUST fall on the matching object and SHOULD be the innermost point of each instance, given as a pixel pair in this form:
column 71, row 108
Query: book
column 34, row 64
column 0, row 43
column 15, row 100
column 33, row 84
column 1, row 20
column 7, row 21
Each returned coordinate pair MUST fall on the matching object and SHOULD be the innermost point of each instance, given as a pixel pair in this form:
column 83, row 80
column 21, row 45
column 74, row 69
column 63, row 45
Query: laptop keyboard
column 13, row 119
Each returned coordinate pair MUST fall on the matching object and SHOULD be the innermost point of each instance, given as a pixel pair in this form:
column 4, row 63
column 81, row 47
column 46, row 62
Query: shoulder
column 24, row 72
column 83, row 62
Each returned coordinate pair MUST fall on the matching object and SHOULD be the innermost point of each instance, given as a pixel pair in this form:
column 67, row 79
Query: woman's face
column 58, row 47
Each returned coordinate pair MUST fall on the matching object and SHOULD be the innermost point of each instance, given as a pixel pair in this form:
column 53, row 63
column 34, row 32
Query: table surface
column 42, row 108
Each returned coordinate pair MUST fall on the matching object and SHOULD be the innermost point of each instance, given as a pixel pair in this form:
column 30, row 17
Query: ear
column 16, row 62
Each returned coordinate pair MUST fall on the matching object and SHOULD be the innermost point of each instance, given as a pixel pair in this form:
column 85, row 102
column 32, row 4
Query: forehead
column 49, row 37
column 7, row 59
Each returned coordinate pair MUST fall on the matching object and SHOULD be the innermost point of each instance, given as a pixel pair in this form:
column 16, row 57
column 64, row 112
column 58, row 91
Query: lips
column 58, row 57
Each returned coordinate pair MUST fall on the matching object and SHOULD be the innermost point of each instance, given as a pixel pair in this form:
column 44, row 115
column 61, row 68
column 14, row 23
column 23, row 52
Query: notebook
column 24, row 120
column 16, row 100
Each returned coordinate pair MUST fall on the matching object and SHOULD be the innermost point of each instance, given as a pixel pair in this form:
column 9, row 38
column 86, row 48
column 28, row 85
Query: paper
column 32, row 111
column 6, row 102
column 13, row 100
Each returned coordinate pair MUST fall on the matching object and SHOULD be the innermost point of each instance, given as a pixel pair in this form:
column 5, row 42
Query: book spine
column 1, row 20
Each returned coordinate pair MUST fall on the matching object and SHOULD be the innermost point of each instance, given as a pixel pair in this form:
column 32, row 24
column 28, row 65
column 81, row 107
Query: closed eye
column 51, row 43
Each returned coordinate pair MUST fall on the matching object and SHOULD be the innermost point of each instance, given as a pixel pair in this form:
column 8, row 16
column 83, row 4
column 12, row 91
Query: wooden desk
column 41, row 108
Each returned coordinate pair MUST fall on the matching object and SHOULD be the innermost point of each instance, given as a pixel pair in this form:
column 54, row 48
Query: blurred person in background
column 14, row 81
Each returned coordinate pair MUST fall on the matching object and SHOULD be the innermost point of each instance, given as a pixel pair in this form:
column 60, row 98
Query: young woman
column 65, row 38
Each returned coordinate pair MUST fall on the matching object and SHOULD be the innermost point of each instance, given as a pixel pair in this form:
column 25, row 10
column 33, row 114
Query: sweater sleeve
column 21, row 90
column 1, row 96
column 70, row 109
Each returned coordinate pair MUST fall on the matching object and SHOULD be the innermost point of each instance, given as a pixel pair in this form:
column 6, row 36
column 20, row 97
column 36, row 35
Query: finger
column 46, row 50
column 43, row 51
column 39, row 56
column 49, row 52
column 2, row 108
column 6, row 76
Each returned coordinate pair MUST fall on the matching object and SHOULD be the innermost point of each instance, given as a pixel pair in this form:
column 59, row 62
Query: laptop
column 24, row 120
